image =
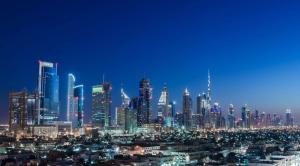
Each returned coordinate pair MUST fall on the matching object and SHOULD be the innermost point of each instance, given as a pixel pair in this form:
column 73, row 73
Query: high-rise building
column 48, row 93
column 75, row 103
column 17, row 110
column 131, row 115
column 70, row 97
column 145, row 96
column 231, row 117
column 257, row 120
column 120, row 111
column 246, row 117
column 101, row 105
column 22, row 110
column 288, row 118
column 216, row 118
column 31, row 106
column 78, row 106
column 163, row 109
column 125, row 99
column 187, row 109
column 263, row 119
column 203, row 108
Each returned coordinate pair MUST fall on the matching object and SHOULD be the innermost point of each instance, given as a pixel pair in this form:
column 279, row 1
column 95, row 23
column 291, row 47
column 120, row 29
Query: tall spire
column 209, row 87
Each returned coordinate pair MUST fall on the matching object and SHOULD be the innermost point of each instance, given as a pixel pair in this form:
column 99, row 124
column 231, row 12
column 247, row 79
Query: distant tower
column 231, row 117
column 163, row 110
column 246, row 115
column 145, row 96
column 78, row 106
column 125, row 98
column 288, row 118
column 131, row 115
column 70, row 96
column 209, row 88
column 121, row 111
column 17, row 111
column 187, row 109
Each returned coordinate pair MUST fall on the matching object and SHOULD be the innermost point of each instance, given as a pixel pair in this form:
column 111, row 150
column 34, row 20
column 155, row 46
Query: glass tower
column 145, row 96
column 101, row 105
column 78, row 105
column 187, row 109
column 48, row 93
column 70, row 97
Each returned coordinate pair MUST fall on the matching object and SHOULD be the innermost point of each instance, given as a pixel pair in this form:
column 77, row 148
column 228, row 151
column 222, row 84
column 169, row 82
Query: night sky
column 252, row 48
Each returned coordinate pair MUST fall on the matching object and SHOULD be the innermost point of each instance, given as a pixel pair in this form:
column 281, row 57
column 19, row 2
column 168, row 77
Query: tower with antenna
column 209, row 87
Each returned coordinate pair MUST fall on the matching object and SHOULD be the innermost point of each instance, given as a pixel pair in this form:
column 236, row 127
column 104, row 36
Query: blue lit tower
column 70, row 97
column 78, row 105
column 131, row 115
column 231, row 117
column 187, row 109
column 164, row 112
column 145, row 96
column 48, row 93
column 246, row 116
column 288, row 118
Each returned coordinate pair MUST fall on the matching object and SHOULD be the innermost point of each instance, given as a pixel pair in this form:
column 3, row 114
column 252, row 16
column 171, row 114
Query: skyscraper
column 101, row 105
column 163, row 109
column 187, row 109
column 231, row 117
column 48, row 93
column 246, row 115
column 145, row 96
column 121, row 111
column 75, row 102
column 288, row 118
column 125, row 99
column 131, row 115
column 78, row 106
column 17, row 110
column 70, row 97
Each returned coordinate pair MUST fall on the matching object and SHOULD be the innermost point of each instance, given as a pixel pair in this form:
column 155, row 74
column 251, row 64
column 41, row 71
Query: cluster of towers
column 42, row 107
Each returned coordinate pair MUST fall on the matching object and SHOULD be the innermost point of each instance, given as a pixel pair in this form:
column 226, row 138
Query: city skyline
column 247, row 66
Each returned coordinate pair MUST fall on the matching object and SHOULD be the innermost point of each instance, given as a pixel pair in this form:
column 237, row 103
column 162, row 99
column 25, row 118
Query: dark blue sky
column 251, row 47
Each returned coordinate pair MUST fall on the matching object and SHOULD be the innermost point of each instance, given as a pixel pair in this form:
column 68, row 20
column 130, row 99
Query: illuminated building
column 70, row 97
column 75, row 103
column 101, row 105
column 172, row 107
column 216, row 116
column 17, row 111
column 131, row 115
column 121, row 111
column 48, row 93
column 231, row 117
column 78, row 106
column 145, row 96
column 22, row 110
column 289, row 121
column 187, row 109
column 163, row 109
column 246, row 117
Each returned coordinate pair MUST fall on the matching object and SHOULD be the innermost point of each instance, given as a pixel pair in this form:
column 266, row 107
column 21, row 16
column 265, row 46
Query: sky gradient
column 251, row 48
